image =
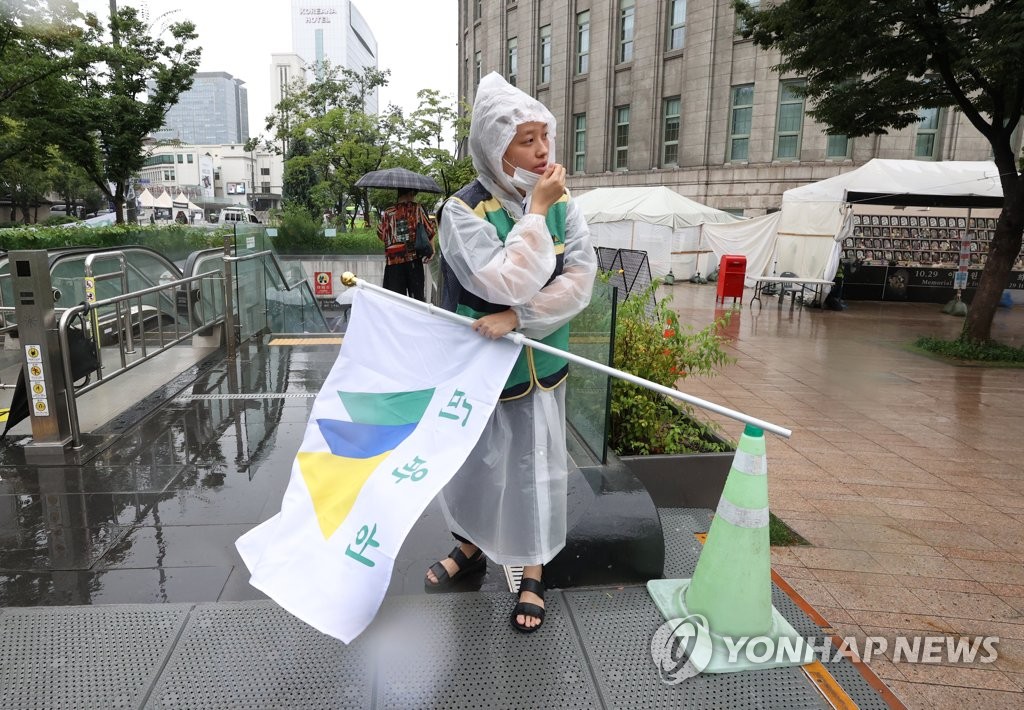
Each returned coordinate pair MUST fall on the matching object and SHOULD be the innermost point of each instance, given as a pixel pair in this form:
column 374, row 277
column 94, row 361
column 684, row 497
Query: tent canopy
column 182, row 199
column 652, row 205
column 656, row 220
column 819, row 210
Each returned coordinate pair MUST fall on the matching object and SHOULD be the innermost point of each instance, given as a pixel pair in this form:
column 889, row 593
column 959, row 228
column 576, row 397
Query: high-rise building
column 285, row 69
column 667, row 92
column 214, row 110
column 333, row 30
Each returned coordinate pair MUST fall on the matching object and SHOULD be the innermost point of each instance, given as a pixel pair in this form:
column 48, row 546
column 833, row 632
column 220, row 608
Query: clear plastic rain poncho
column 509, row 498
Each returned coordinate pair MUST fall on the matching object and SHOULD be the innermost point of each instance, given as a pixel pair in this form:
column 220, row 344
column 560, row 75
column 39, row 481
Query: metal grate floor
column 437, row 651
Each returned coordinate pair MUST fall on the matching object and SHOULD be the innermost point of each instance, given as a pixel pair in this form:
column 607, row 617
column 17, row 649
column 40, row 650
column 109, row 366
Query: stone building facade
column 666, row 92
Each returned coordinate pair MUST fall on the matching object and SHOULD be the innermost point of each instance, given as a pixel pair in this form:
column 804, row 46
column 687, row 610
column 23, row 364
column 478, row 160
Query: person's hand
column 495, row 325
column 548, row 190
column 426, row 259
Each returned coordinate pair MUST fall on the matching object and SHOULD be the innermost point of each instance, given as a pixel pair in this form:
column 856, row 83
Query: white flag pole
column 350, row 279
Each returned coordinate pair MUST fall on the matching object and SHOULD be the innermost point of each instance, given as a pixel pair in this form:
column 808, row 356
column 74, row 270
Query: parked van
column 231, row 215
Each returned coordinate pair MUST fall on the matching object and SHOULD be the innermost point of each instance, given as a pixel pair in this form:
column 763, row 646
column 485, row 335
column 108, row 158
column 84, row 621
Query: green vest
column 533, row 367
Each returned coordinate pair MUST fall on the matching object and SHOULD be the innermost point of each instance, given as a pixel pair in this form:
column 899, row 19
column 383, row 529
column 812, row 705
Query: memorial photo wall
column 921, row 237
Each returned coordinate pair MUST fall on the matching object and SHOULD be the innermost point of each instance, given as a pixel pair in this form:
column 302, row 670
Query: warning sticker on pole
column 33, row 353
column 40, row 408
column 90, row 289
column 39, row 389
column 35, row 372
column 322, row 283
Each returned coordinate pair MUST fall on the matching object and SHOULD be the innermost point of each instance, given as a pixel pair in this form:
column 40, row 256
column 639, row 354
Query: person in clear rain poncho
column 517, row 255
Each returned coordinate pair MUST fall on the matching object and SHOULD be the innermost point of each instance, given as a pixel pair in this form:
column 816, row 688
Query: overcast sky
column 416, row 40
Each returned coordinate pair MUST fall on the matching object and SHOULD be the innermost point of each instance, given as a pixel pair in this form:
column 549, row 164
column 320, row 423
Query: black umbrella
column 398, row 179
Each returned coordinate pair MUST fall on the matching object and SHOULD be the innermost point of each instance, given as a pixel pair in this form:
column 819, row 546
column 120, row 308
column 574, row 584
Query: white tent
column 807, row 234
column 164, row 200
column 146, row 199
column 656, row 220
column 810, row 232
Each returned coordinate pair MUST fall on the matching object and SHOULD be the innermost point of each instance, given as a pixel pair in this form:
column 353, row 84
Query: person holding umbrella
column 516, row 255
column 399, row 227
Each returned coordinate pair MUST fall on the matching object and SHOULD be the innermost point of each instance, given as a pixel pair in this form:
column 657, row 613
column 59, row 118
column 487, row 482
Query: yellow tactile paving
column 306, row 341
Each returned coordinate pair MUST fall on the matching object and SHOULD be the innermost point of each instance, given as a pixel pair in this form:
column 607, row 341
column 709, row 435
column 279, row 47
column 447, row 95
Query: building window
column 478, row 9
column 181, row 158
column 188, row 159
column 512, row 60
column 579, row 145
column 627, row 16
column 790, row 120
column 670, row 133
column 926, row 146
column 583, row 42
column 740, row 120
column 544, row 54
column 740, row 24
column 837, row 147
column 478, row 68
column 621, row 160
column 264, row 171
column 265, row 188
column 676, row 24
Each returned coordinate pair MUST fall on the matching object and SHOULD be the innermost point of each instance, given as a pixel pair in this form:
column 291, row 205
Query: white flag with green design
column 397, row 416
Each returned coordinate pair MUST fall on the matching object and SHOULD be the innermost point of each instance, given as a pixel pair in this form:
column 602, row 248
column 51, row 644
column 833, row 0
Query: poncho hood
column 498, row 109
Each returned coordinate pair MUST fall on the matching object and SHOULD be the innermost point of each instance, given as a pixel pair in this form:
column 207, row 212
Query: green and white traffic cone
column 729, row 598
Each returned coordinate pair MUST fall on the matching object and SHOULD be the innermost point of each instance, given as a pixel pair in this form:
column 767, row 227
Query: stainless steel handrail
column 70, row 393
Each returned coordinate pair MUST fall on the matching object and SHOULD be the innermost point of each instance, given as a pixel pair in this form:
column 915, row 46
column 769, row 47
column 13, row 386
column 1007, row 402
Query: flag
column 399, row 412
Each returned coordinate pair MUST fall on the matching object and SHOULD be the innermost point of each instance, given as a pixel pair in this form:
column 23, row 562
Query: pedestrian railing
column 115, row 319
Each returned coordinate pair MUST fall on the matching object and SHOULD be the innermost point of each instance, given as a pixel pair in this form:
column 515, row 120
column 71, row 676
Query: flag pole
column 350, row 279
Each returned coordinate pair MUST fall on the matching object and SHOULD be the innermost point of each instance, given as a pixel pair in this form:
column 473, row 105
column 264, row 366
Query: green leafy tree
column 340, row 142
column 300, row 177
column 871, row 66
column 46, row 47
column 436, row 133
column 73, row 185
column 25, row 184
column 104, row 133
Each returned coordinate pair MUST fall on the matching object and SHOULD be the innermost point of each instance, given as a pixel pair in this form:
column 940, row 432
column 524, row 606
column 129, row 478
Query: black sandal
column 526, row 608
column 466, row 565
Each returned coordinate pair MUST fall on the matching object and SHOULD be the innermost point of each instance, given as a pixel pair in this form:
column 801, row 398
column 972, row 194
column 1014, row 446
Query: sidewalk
column 905, row 474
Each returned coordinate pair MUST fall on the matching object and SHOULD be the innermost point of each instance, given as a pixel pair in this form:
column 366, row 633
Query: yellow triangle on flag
column 333, row 483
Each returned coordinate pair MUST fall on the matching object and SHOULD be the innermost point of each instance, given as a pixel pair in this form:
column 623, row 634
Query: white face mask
column 524, row 179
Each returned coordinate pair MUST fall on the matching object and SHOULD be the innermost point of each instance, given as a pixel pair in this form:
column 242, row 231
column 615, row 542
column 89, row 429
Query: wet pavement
column 153, row 514
column 905, row 473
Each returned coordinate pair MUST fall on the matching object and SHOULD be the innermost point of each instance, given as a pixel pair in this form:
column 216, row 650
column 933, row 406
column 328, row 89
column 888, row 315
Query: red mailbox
column 732, row 269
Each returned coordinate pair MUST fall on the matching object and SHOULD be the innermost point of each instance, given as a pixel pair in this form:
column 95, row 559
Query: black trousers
column 406, row 279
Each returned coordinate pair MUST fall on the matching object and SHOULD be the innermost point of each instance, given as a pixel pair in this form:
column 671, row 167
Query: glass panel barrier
column 250, row 281
column 588, row 394
column 286, row 301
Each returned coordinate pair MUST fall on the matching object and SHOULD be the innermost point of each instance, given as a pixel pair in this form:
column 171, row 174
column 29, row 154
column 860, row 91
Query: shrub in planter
column 659, row 348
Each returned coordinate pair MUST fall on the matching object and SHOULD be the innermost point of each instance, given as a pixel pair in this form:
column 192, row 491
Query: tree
column 45, row 50
column 434, row 126
column 26, row 185
column 105, row 132
column 871, row 66
column 338, row 141
column 73, row 185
